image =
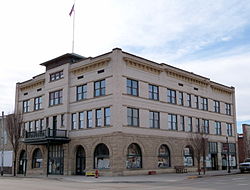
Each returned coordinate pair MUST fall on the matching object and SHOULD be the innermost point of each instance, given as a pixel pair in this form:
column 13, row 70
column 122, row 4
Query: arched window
column 37, row 159
column 22, row 162
column 80, row 160
column 188, row 156
column 164, row 157
column 101, row 157
column 134, row 156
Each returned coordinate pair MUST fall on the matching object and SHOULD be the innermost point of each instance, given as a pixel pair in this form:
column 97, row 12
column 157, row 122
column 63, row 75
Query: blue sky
column 210, row 38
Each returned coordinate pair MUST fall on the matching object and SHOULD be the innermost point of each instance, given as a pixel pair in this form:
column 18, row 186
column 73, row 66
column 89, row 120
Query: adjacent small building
column 122, row 115
column 244, row 143
column 6, row 153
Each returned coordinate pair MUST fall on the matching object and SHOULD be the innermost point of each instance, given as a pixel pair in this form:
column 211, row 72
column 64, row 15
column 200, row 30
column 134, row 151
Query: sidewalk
column 171, row 177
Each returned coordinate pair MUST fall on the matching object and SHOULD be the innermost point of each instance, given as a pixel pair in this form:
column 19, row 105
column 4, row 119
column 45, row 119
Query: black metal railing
column 47, row 133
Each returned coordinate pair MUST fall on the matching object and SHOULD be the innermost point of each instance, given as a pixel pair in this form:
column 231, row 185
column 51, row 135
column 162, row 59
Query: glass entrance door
column 214, row 161
column 80, row 161
column 56, row 157
column 22, row 163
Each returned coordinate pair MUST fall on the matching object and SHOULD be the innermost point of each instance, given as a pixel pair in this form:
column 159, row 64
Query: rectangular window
column 37, row 127
column 189, row 100
column 47, row 122
column 54, row 124
column 30, row 126
column 189, row 124
column 229, row 129
column 205, row 126
column 38, row 103
column 216, row 106
column 98, row 118
column 217, row 127
column 154, row 119
column 132, row 87
column 81, row 92
column 62, row 120
column 182, row 122
column 172, row 122
column 197, row 125
column 196, row 102
column 41, row 124
column 133, row 117
column 180, row 98
column 81, row 120
column 171, row 96
column 73, row 121
column 107, row 115
column 204, row 104
column 56, row 76
column 153, row 92
column 213, row 147
column 89, row 119
column 55, row 98
column 99, row 88
column 228, row 109
column 26, row 126
column 26, row 106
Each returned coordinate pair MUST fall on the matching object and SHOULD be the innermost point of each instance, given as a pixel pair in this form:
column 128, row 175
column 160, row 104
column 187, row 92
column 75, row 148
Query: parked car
column 245, row 166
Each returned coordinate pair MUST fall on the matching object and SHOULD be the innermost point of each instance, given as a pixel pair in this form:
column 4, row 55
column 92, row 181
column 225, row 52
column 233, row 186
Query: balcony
column 48, row 136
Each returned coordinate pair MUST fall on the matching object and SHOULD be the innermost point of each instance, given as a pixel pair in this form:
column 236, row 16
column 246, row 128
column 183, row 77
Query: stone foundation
column 117, row 144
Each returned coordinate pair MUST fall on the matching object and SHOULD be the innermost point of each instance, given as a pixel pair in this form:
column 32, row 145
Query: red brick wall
column 241, row 148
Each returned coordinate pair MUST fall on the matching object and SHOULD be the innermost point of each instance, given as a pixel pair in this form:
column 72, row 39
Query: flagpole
column 73, row 37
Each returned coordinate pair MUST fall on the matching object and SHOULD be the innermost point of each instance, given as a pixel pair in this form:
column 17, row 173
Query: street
column 156, row 182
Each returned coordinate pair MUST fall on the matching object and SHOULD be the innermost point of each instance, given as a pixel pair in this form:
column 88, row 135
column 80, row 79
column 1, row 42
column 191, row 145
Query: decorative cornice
column 186, row 78
column 90, row 66
column 142, row 66
column 32, row 84
column 222, row 90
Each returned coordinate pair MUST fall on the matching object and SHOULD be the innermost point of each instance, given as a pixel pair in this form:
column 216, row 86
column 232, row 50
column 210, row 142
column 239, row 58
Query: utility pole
column 2, row 138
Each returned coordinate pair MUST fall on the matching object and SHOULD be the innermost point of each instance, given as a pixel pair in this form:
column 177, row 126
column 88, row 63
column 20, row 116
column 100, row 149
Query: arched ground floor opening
column 117, row 154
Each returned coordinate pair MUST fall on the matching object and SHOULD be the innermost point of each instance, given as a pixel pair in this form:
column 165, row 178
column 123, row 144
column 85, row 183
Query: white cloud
column 161, row 30
column 230, row 70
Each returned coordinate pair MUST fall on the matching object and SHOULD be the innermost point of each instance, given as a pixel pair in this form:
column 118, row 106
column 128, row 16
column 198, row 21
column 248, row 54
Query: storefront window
column 101, row 157
column 164, row 157
column 134, row 157
column 37, row 159
column 228, row 149
column 188, row 156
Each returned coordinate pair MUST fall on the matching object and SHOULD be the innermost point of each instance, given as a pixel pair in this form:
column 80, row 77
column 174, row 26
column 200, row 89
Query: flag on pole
column 72, row 10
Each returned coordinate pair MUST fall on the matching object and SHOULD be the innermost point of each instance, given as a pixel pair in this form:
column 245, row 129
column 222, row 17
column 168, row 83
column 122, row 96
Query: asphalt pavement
column 213, row 180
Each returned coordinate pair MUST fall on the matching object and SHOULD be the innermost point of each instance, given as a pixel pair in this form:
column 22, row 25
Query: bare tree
column 199, row 142
column 13, row 128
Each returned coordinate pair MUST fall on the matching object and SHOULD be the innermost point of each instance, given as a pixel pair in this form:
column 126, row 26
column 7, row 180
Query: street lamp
column 228, row 160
